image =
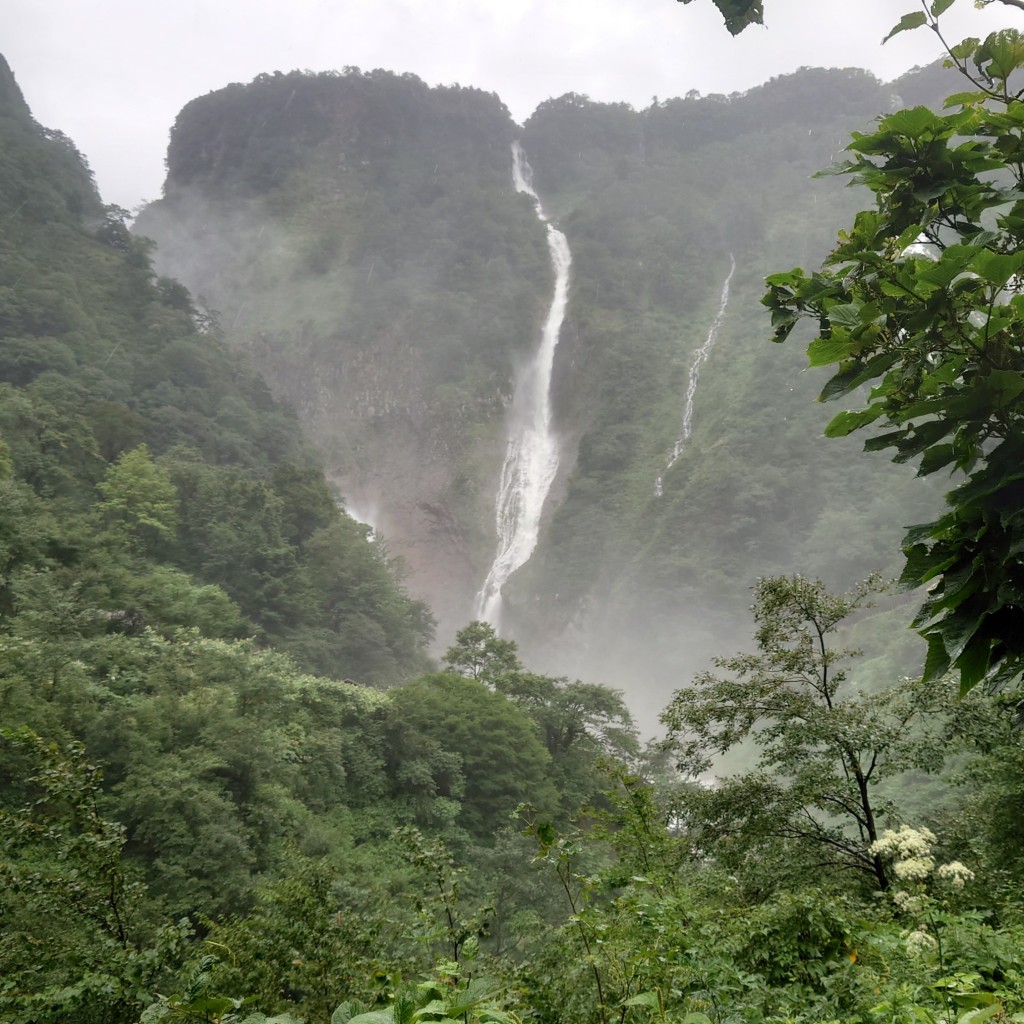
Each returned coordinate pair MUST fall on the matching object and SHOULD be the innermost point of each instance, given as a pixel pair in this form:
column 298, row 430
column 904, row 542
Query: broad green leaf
column 1007, row 384
column 919, row 534
column 915, row 19
column 936, row 663
column 739, row 14
column 788, row 278
column 923, row 436
column 846, row 422
column 846, row 314
column 823, row 351
column 965, row 48
column 1001, row 54
column 856, row 374
column 211, row 1005
column 882, row 441
column 434, row 1008
column 344, row 1012
column 996, row 267
column 912, row 122
column 1011, row 593
column 374, row 1017
column 964, row 99
column 923, row 564
column 648, row 999
column 985, row 1005
column 956, row 587
column 938, row 6
column 984, row 483
column 936, row 458
column 893, row 289
column 973, row 663
column 950, row 264
column 491, row 1016
column 959, row 627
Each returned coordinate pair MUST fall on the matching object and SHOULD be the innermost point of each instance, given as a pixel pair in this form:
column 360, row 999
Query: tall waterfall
column 699, row 359
column 531, row 459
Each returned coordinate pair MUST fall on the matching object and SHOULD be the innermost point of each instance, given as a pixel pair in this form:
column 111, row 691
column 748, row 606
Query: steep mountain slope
column 360, row 236
column 150, row 478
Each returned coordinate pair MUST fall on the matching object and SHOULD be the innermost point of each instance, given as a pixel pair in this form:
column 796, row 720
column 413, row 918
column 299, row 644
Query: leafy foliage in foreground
column 922, row 300
column 739, row 14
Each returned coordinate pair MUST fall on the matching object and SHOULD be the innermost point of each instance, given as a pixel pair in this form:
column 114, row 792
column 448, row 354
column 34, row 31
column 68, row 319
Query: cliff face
column 359, row 235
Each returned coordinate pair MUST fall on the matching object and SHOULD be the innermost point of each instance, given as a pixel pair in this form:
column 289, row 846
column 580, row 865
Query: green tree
column 452, row 738
column 584, row 727
column 139, row 499
column 303, row 948
column 822, row 746
column 479, row 653
column 572, row 713
column 922, row 299
column 50, row 629
column 579, row 723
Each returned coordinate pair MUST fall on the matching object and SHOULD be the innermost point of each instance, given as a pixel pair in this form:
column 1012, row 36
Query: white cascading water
column 531, row 459
column 699, row 359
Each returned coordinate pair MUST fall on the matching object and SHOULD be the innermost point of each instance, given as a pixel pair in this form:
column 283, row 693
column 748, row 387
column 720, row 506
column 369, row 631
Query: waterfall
column 531, row 458
column 699, row 359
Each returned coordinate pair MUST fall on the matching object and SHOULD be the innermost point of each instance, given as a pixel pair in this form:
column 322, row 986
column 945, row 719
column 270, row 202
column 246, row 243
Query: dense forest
column 242, row 777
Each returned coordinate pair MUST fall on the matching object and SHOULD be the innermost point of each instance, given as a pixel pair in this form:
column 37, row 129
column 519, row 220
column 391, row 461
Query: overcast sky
column 113, row 74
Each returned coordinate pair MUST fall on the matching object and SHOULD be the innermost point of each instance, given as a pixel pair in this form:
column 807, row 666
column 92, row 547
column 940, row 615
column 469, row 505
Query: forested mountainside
column 359, row 236
column 152, row 480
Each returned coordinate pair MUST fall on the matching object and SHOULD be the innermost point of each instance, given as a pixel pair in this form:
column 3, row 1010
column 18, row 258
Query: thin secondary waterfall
column 531, row 459
column 699, row 359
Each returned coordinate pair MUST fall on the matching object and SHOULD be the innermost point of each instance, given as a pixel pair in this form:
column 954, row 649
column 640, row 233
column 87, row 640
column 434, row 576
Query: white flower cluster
column 910, row 850
column 906, row 903
column 907, row 844
column 956, row 873
column 919, row 942
column 913, row 869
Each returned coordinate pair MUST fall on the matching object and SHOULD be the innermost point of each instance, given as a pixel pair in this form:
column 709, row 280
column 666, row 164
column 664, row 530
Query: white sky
column 113, row 74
